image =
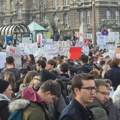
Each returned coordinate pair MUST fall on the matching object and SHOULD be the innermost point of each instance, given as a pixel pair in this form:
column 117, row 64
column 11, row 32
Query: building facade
column 68, row 15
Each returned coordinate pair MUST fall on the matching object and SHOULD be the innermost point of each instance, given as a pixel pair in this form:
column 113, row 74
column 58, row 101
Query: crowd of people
column 60, row 88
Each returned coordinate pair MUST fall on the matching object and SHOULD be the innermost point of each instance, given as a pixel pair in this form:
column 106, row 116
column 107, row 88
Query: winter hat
column 3, row 85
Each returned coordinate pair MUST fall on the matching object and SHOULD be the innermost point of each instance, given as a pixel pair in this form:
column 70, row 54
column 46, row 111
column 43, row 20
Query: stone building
column 68, row 15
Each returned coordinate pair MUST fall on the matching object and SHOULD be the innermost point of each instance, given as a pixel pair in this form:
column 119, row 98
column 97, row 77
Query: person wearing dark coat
column 44, row 74
column 114, row 73
column 83, row 89
column 5, row 96
column 85, row 66
column 113, row 111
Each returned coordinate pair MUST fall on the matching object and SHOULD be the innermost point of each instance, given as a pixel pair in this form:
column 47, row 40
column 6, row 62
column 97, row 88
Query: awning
column 36, row 27
column 14, row 29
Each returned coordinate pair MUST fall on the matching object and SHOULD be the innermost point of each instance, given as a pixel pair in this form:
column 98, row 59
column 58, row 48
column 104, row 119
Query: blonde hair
column 10, row 77
column 32, row 83
column 105, row 67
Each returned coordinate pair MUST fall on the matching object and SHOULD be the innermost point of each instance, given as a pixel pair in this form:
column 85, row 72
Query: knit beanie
column 3, row 85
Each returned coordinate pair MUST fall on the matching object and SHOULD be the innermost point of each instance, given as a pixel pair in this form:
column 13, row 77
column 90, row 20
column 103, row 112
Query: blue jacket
column 75, row 111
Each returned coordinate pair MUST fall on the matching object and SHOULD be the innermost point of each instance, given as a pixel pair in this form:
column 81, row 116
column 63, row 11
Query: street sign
column 105, row 32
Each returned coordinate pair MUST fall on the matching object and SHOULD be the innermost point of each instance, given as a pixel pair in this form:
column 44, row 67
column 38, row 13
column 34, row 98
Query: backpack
column 16, row 108
column 16, row 115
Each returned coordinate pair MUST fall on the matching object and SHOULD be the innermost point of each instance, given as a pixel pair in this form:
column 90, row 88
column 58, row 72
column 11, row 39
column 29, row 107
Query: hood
column 31, row 95
column 3, row 97
column 18, row 104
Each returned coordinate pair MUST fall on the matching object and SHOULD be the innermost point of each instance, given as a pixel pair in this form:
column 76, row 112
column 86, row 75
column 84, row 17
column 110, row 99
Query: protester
column 48, row 92
column 116, row 97
column 44, row 74
column 22, row 73
column 113, row 111
column 83, row 89
column 30, row 64
column 5, row 98
column 85, row 66
column 9, row 76
column 102, row 95
column 28, row 78
column 114, row 73
column 10, row 66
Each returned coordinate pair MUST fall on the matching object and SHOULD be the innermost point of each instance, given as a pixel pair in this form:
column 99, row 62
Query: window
column 108, row 14
column 54, row 3
column 117, row 17
column 3, row 6
column 65, row 2
column 19, row 13
column 55, row 18
column 88, row 17
column 11, row 6
column 34, row 5
column 44, row 5
column 65, row 19
column 81, row 16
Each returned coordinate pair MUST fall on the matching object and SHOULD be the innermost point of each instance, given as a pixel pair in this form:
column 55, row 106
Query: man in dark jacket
column 114, row 73
column 10, row 66
column 5, row 96
column 83, row 89
column 85, row 66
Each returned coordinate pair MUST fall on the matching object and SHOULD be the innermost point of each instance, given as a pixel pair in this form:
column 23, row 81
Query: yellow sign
column 47, row 35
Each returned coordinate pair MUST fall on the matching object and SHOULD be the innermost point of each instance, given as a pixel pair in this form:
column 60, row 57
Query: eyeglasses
column 90, row 89
column 104, row 93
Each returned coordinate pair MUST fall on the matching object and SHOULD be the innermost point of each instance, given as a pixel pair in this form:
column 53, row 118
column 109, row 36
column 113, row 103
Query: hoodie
column 31, row 95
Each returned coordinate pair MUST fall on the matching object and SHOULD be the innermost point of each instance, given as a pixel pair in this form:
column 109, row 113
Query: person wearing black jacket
column 83, row 89
column 5, row 98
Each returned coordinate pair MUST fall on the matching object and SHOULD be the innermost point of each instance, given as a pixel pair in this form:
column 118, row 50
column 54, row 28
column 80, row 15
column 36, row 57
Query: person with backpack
column 36, row 106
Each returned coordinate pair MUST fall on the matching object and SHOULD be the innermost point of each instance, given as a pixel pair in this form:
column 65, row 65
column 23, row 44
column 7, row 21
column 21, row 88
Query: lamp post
column 94, row 23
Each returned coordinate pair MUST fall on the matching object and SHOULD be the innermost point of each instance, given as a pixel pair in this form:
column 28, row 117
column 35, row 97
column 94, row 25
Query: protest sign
column 16, row 53
column 75, row 53
column 45, row 42
column 2, row 59
column 29, row 48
